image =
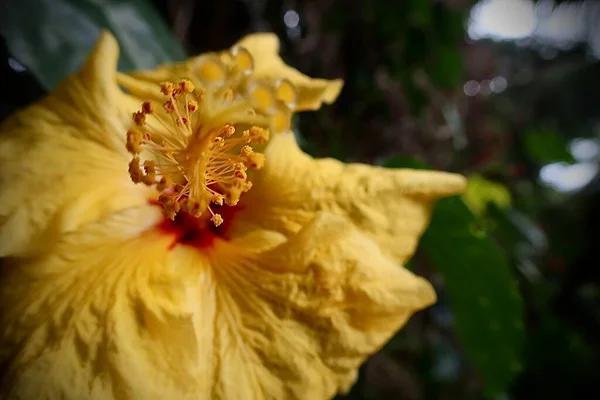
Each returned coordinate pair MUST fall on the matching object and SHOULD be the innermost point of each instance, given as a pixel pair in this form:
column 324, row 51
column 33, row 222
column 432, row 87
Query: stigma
column 198, row 148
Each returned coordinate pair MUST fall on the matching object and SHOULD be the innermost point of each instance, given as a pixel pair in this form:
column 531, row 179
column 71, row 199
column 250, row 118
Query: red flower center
column 198, row 232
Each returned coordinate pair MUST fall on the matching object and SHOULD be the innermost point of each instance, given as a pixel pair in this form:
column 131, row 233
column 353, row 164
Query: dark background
column 513, row 106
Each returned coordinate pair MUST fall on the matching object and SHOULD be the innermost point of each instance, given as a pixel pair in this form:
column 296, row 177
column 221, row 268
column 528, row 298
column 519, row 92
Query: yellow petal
column 103, row 315
column 268, row 66
column 258, row 318
column 312, row 93
column 392, row 206
column 306, row 314
column 63, row 161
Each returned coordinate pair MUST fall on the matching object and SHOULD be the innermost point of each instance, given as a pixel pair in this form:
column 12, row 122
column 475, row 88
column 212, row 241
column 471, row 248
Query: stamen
column 199, row 159
column 166, row 88
column 217, row 219
column 147, row 107
column 134, row 141
column 199, row 143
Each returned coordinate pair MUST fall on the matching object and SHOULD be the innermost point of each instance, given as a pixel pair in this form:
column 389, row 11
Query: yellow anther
column 170, row 206
column 217, row 199
column 134, row 141
column 135, row 171
column 232, row 196
column 239, row 166
column 169, row 106
column 218, row 142
column 255, row 160
column 240, row 174
column 247, row 186
column 259, row 135
column 192, row 105
column 187, row 86
column 148, row 108
column 246, row 150
column 150, row 173
column 177, row 188
column 149, row 166
column 164, row 198
column 171, row 209
column 217, row 219
column 228, row 130
column 139, row 118
column 164, row 183
column 166, row 88
column 177, row 93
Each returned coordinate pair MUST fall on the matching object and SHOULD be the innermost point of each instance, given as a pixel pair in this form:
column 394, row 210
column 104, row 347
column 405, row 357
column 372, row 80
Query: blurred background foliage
column 503, row 91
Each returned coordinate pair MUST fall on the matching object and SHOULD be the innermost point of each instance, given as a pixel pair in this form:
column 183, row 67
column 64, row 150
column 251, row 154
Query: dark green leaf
column 446, row 70
column 482, row 292
column 449, row 25
column 485, row 302
column 560, row 360
column 511, row 228
column 405, row 162
column 505, row 232
column 546, row 146
column 53, row 41
column 421, row 13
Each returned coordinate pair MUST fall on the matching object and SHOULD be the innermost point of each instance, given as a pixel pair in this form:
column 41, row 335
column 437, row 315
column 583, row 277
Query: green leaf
column 405, row 162
column 546, row 146
column 449, row 24
column 483, row 295
column 446, row 69
column 561, row 362
column 420, row 13
column 506, row 233
column 53, row 41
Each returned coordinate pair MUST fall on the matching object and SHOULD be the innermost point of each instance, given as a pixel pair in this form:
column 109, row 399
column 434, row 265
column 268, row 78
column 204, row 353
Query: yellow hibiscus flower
column 119, row 281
